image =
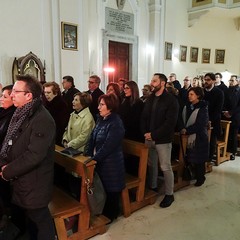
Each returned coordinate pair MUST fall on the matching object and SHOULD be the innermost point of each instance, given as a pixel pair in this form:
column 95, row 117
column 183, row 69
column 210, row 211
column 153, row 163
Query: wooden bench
column 221, row 149
column 63, row 205
column 238, row 143
column 178, row 164
column 136, row 185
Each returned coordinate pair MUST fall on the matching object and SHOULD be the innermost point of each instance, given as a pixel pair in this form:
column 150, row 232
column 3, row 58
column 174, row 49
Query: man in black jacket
column 69, row 92
column 232, row 114
column 93, row 86
column 215, row 98
column 27, row 158
column 158, row 122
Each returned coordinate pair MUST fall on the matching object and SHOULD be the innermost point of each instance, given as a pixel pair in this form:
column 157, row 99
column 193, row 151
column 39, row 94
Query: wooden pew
column 87, row 226
column 221, row 148
column 136, row 184
column 178, row 164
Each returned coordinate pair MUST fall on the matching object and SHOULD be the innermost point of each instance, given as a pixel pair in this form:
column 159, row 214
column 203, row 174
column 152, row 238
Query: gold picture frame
column 198, row 3
column 194, row 54
column 206, row 53
column 219, row 55
column 168, row 51
column 69, row 36
column 183, row 53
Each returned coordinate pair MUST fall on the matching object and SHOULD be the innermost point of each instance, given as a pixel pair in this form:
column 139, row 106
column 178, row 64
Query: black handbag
column 96, row 194
column 188, row 170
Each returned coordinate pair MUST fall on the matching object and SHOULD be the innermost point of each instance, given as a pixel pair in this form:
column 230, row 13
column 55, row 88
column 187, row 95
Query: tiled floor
column 209, row 212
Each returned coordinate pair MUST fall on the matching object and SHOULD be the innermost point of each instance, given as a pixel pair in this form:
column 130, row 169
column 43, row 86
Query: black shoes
column 232, row 157
column 167, row 201
column 199, row 182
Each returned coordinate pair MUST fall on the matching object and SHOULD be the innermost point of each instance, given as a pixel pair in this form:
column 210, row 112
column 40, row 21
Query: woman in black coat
column 130, row 112
column 195, row 125
column 105, row 147
column 6, row 111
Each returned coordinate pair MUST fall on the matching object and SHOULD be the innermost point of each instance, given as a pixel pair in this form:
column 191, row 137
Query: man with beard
column 215, row 98
column 158, row 122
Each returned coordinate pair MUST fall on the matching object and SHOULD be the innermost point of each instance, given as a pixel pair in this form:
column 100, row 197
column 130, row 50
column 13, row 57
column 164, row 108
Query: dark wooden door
column 119, row 60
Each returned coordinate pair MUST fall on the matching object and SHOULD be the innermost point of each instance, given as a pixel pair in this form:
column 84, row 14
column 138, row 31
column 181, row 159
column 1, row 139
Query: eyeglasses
column 207, row 79
column 186, row 80
column 125, row 88
column 18, row 91
column 91, row 82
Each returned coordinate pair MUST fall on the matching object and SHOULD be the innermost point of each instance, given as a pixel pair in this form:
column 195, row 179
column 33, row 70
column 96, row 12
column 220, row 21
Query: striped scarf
column 18, row 118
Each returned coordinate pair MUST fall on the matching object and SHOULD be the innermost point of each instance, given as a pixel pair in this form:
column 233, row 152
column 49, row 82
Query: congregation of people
column 35, row 117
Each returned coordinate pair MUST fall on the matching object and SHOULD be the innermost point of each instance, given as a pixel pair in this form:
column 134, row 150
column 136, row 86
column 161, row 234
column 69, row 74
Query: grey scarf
column 189, row 122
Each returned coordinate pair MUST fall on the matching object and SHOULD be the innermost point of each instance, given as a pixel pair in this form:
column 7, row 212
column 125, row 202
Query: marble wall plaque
column 119, row 21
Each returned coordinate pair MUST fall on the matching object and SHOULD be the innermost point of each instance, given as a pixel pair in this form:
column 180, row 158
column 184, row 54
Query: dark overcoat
column 5, row 117
column 199, row 153
column 106, row 140
column 30, row 160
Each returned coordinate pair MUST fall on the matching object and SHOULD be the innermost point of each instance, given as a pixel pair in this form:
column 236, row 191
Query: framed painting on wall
column 219, row 55
column 183, row 53
column 69, row 36
column 206, row 52
column 194, row 54
column 168, row 51
column 197, row 3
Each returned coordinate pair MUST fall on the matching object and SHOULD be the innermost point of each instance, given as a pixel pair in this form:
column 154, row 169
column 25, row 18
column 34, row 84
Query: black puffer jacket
column 106, row 139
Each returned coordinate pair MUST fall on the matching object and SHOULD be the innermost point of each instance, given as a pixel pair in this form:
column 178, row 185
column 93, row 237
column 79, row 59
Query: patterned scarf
column 17, row 119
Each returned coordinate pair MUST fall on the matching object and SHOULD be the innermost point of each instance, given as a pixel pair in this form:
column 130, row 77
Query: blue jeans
column 161, row 153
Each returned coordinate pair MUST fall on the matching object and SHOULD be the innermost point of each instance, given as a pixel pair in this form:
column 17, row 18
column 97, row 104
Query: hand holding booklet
column 71, row 151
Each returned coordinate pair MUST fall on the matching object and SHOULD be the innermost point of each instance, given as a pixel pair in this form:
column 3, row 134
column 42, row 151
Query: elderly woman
column 81, row 123
column 57, row 108
column 105, row 147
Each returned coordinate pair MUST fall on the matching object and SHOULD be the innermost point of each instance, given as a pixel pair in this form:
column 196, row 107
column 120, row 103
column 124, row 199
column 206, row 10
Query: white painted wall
column 209, row 32
column 35, row 25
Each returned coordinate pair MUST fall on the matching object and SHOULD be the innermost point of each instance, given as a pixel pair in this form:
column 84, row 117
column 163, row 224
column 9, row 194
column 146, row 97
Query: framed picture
column 168, row 51
column 206, row 52
column 198, row 3
column 69, row 36
column 194, row 54
column 183, row 53
column 219, row 55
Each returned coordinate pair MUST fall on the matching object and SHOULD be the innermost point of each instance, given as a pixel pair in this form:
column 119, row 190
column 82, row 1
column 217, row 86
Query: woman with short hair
column 105, row 147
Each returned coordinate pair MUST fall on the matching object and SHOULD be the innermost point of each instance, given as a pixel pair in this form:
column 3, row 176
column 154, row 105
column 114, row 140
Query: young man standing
column 27, row 158
column 159, row 118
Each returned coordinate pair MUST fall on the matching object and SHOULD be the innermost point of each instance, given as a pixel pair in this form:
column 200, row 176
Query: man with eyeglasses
column 93, row 89
column 183, row 92
column 232, row 114
column 173, row 79
column 215, row 98
column 27, row 159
